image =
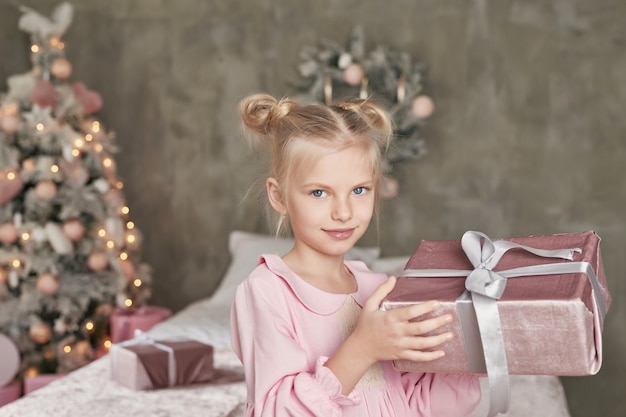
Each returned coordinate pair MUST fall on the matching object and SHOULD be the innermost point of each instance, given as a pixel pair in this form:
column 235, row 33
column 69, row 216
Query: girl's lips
column 340, row 234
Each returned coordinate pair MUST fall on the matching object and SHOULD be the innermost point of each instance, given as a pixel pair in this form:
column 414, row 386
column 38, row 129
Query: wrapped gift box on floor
column 125, row 322
column 10, row 392
column 143, row 364
column 550, row 324
column 33, row 383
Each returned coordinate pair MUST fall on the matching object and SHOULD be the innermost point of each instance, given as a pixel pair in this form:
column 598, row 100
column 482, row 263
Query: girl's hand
column 387, row 335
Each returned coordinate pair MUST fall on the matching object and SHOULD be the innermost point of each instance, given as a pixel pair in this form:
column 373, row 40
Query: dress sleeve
column 442, row 395
column 281, row 379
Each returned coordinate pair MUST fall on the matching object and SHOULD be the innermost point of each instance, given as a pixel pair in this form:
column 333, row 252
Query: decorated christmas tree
column 387, row 76
column 69, row 252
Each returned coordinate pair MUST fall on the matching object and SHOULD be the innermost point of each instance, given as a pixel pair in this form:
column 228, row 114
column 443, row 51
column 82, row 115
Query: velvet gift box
column 550, row 321
column 126, row 322
column 144, row 364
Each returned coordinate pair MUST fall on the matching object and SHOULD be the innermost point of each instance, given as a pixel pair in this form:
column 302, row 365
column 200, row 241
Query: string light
column 107, row 344
column 130, row 225
column 75, row 153
column 119, row 185
column 31, row 372
column 137, row 283
column 95, row 127
column 125, row 210
column 67, row 348
column 11, row 175
column 107, row 162
column 54, row 169
column 25, row 236
column 128, row 302
column 98, row 147
column 15, row 263
column 89, row 325
column 130, row 238
column 88, row 137
column 110, row 244
column 79, row 143
column 102, row 232
column 123, row 256
column 34, row 48
column 39, row 127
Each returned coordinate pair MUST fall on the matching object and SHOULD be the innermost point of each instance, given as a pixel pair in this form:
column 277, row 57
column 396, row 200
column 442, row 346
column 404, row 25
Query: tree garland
column 384, row 75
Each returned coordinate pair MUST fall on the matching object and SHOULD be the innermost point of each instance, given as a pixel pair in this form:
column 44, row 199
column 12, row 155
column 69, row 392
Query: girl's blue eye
column 359, row 190
column 317, row 193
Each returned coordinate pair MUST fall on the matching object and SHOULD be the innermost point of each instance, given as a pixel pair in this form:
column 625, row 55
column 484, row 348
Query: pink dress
column 284, row 329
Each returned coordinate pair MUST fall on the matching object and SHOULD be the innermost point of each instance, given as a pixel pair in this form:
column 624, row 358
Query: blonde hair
column 299, row 134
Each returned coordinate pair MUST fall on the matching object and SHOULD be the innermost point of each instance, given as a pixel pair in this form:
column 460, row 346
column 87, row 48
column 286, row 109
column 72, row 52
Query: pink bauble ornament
column 40, row 332
column 61, row 68
column 9, row 360
column 128, row 269
column 422, row 107
column 73, row 230
column 8, row 233
column 46, row 190
column 388, row 187
column 97, row 261
column 353, row 74
column 47, row 284
column 44, row 94
column 89, row 100
column 9, row 188
column 11, row 123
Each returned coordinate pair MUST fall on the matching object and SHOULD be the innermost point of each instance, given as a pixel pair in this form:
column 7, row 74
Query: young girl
column 307, row 326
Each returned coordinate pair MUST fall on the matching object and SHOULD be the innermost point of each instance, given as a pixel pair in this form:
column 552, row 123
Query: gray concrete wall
column 528, row 137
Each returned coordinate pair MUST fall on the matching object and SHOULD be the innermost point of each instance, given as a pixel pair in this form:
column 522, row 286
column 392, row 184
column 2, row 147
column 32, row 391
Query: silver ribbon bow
column 485, row 286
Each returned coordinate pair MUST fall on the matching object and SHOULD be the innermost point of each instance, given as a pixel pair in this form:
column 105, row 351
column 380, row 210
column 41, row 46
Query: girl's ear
column 275, row 196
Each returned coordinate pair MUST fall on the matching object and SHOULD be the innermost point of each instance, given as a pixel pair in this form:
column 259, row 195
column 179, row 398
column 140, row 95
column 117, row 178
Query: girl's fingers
column 420, row 348
column 417, row 328
column 377, row 297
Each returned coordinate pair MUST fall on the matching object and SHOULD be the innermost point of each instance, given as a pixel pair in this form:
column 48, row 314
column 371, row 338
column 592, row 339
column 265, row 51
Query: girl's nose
column 342, row 211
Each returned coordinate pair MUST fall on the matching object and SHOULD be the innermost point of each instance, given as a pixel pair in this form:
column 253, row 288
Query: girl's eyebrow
column 364, row 183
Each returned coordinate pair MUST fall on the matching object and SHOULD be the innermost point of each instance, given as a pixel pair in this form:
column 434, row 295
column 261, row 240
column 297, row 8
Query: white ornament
column 39, row 235
column 345, row 59
column 115, row 230
column 59, row 242
column 14, row 280
column 101, row 185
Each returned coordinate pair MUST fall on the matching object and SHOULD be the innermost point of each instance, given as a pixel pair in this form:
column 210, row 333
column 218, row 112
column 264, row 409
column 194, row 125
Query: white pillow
column 208, row 320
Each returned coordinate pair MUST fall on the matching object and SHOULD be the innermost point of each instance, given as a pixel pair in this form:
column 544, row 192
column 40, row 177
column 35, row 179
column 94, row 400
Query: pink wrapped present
column 144, row 364
column 530, row 305
column 33, row 383
column 10, row 392
column 126, row 322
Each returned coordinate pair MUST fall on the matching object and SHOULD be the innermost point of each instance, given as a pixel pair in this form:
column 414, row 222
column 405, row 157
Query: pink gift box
column 550, row 324
column 10, row 392
column 33, row 383
column 126, row 322
column 144, row 364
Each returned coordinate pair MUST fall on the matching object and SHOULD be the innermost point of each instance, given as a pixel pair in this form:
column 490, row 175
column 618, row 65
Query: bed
column 90, row 390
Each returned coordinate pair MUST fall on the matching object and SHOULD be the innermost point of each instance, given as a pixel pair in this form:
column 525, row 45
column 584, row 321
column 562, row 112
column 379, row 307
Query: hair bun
column 261, row 112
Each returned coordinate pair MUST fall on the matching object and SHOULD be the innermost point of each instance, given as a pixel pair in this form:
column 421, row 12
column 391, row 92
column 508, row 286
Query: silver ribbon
column 484, row 286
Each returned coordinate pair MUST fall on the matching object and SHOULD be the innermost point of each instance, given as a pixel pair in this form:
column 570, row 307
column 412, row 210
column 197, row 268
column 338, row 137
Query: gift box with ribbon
column 144, row 364
column 530, row 305
column 126, row 322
